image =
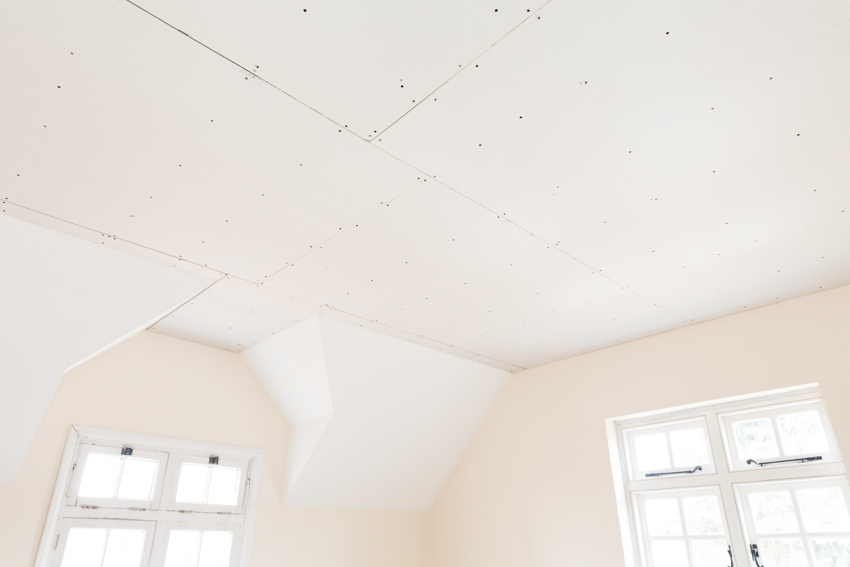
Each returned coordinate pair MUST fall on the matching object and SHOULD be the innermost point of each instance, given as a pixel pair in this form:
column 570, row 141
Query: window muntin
column 801, row 522
column 668, row 447
column 682, row 528
column 103, row 543
column 105, row 478
column 777, row 433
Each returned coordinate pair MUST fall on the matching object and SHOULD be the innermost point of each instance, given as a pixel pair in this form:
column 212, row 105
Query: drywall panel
column 696, row 153
column 445, row 268
column 182, row 151
column 362, row 64
column 63, row 300
column 234, row 314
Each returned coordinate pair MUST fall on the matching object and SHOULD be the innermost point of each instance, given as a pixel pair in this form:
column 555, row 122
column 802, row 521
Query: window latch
column 213, row 459
column 803, row 460
column 692, row 471
column 731, row 559
column 125, row 450
column 754, row 551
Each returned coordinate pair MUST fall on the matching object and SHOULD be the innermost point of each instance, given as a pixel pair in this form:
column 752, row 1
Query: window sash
column 666, row 428
column 738, row 461
column 86, row 449
column 164, row 529
column 65, row 525
column 169, row 501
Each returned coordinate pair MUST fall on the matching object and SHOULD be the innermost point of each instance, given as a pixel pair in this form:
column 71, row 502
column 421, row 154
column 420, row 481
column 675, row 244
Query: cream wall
column 535, row 488
column 158, row 385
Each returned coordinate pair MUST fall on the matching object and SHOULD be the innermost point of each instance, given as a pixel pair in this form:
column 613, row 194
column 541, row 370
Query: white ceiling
column 63, row 301
column 379, row 423
column 655, row 178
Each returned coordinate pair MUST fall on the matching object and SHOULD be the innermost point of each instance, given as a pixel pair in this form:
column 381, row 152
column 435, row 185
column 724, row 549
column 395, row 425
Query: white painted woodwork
column 376, row 422
column 64, row 300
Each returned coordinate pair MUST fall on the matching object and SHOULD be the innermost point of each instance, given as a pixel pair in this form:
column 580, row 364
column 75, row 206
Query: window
column 744, row 480
column 124, row 500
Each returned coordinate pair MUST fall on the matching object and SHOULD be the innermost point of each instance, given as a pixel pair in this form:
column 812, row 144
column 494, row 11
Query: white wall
column 158, row 385
column 535, row 486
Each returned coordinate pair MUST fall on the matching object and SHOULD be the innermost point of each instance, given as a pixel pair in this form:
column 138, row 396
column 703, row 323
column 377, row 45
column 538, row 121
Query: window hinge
column 138, row 509
column 56, row 544
column 225, row 513
column 84, row 507
column 184, row 511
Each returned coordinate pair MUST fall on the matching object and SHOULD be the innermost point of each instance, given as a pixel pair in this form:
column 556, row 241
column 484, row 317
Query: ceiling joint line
column 459, row 71
column 221, row 273
column 207, row 288
column 246, row 70
column 326, row 307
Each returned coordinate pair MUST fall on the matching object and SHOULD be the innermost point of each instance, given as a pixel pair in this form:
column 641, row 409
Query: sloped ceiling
column 64, row 300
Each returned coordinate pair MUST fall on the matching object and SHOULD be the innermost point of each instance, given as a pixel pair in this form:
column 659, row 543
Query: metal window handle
column 754, row 551
column 731, row 559
column 803, row 460
column 695, row 469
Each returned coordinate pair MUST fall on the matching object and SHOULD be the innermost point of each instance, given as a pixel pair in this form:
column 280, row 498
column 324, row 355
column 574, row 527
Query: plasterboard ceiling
column 638, row 164
column 64, row 300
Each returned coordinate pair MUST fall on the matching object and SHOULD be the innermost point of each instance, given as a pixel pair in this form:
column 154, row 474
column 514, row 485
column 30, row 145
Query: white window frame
column 65, row 525
column 724, row 477
column 164, row 530
column 666, row 429
column 170, row 502
column 65, row 511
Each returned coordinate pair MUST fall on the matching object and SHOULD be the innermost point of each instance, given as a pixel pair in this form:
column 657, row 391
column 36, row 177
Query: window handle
column 695, row 469
column 803, row 460
column 731, row 559
column 754, row 551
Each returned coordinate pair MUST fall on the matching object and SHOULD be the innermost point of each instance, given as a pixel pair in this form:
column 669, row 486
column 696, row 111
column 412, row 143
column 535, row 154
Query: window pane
column 702, row 515
column 802, row 433
column 662, row 516
column 137, row 479
column 823, row 510
column 192, row 485
column 224, row 486
column 652, row 452
column 755, row 439
column 215, row 549
column 773, row 512
column 124, row 548
column 831, row 552
column 100, row 475
column 183, row 548
column 85, row 547
column 782, row 553
column 689, row 447
column 710, row 552
column 669, row 553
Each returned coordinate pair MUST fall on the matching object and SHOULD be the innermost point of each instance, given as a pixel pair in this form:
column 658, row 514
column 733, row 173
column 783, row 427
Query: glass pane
column 662, row 516
column 192, row 485
column 669, row 553
column 773, row 512
column 100, row 475
column 124, row 548
column 755, row 439
column 215, row 549
column 183, row 548
column 224, row 486
column 689, row 447
column 84, row 547
column 823, row 510
column 832, row 552
column 782, row 553
column 652, row 452
column 802, row 433
column 710, row 552
column 702, row 515
column 137, row 479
